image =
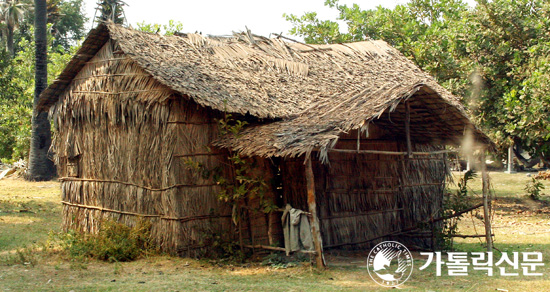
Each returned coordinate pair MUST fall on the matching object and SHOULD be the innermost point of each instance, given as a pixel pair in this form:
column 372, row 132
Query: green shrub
column 534, row 189
column 278, row 260
column 115, row 242
column 26, row 255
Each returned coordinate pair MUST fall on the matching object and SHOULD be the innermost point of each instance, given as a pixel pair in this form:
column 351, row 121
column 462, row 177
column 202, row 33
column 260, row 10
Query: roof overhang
column 433, row 120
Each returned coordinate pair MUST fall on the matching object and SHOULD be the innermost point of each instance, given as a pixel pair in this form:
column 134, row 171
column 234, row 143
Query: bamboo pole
column 267, row 247
column 315, row 228
column 241, row 244
column 454, row 235
column 270, row 228
column 408, row 128
column 468, row 236
column 391, row 152
column 456, row 214
column 486, row 212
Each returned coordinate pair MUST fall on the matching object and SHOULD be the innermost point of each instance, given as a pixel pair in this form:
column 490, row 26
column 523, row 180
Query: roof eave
column 96, row 38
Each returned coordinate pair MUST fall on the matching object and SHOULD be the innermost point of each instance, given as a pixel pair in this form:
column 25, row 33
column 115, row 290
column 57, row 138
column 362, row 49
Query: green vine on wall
column 244, row 186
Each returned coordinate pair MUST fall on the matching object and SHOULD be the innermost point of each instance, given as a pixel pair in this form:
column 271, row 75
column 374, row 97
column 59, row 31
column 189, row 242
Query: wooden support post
column 315, row 227
column 241, row 235
column 486, row 203
column 408, row 128
column 270, row 228
column 358, row 140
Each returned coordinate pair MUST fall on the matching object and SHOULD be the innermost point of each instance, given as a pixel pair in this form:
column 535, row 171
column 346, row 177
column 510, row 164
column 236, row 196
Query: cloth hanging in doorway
column 296, row 230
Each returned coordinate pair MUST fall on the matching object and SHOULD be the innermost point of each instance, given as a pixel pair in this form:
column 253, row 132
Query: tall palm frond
column 12, row 13
column 111, row 10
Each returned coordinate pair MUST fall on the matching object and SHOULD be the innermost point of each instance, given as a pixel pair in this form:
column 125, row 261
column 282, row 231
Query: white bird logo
column 389, row 264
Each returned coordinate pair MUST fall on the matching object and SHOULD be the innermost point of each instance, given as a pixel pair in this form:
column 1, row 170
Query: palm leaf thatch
column 319, row 91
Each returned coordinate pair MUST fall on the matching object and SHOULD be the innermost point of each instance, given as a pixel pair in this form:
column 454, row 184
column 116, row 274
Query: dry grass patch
column 519, row 225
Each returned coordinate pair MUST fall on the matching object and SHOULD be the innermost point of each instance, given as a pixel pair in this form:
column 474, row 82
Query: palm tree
column 40, row 166
column 12, row 12
column 111, row 10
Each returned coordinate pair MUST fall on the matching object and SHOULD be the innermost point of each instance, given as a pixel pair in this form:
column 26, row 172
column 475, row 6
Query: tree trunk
column 524, row 161
column 9, row 40
column 40, row 166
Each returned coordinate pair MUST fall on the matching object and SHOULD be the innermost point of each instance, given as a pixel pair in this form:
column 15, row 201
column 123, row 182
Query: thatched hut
column 354, row 133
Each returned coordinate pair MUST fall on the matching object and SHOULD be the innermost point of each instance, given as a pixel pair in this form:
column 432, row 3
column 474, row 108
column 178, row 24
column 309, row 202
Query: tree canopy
column 494, row 55
column 65, row 28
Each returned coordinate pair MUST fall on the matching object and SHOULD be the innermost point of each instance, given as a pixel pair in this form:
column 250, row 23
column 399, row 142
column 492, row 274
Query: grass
column 507, row 185
column 30, row 210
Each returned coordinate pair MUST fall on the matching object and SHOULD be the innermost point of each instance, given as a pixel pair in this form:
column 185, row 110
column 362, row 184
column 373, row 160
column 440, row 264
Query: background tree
column 66, row 19
column 68, row 23
column 17, row 74
column 165, row 29
column 16, row 95
column 12, row 13
column 494, row 55
column 508, row 42
column 41, row 167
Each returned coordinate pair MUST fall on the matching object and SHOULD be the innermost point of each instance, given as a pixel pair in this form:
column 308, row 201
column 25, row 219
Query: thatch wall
column 102, row 153
column 366, row 196
column 421, row 193
column 124, row 146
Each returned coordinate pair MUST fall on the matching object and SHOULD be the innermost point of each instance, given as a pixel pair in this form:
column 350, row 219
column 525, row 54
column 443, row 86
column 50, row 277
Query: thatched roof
column 317, row 91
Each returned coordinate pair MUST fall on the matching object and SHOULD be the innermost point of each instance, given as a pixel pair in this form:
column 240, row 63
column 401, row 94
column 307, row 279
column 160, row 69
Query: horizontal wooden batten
column 135, row 185
column 275, row 248
column 452, row 235
column 424, row 185
column 189, row 123
column 111, row 75
column 122, row 92
column 390, row 152
column 181, row 219
column 108, row 210
column 199, row 154
column 107, row 60
column 197, row 217
column 361, row 214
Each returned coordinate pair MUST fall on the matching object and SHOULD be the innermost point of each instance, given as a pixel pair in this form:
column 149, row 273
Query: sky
column 224, row 17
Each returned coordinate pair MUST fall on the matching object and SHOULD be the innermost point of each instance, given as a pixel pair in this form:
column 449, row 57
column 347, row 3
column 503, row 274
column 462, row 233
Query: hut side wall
column 128, row 148
column 366, row 196
column 200, row 217
column 422, row 192
column 358, row 193
column 107, row 144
